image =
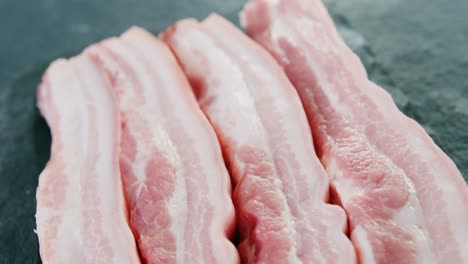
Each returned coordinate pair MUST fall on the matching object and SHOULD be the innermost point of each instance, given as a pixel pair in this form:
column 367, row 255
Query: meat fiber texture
column 176, row 185
column 281, row 189
column 406, row 200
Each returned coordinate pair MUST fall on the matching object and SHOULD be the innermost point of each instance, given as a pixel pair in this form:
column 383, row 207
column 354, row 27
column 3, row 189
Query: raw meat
column 177, row 187
column 406, row 200
column 281, row 187
column 81, row 215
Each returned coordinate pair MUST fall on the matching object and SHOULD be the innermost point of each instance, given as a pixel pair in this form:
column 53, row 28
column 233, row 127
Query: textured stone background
column 416, row 49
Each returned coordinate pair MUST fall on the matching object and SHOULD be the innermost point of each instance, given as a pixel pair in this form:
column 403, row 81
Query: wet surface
column 415, row 49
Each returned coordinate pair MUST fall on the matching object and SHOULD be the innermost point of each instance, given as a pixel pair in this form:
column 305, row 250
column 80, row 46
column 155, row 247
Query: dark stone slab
column 418, row 51
column 415, row 49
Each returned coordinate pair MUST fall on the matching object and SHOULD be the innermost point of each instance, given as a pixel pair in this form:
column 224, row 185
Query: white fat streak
column 64, row 92
column 218, row 183
column 309, row 29
column 299, row 141
column 410, row 218
column 177, row 204
column 360, row 239
column 110, row 192
column 454, row 200
column 150, row 113
column 185, row 115
column 239, row 90
column 324, row 45
column 128, row 104
column 273, row 2
column 278, row 29
column 194, row 55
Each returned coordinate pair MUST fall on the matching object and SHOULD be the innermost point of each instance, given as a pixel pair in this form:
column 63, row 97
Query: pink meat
column 281, row 189
column 177, row 187
column 406, row 200
column 81, row 215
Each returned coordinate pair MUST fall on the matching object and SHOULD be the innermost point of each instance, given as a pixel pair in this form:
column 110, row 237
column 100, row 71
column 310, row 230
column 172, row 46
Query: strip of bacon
column 281, row 187
column 406, row 200
column 177, row 187
column 81, row 215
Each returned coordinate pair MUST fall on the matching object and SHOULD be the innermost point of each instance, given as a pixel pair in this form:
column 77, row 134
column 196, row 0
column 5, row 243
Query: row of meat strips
column 208, row 146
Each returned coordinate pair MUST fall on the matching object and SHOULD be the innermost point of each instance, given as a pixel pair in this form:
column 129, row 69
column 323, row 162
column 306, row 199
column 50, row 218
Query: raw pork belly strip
column 177, row 187
column 406, row 200
column 81, row 215
column 281, row 187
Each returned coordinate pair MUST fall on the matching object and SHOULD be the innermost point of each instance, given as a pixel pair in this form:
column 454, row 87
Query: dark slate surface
column 416, row 49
